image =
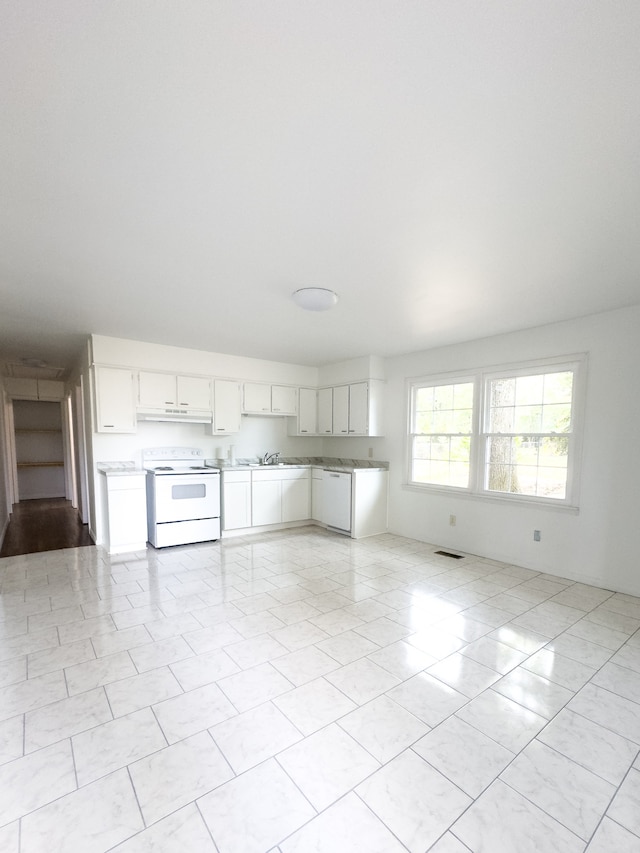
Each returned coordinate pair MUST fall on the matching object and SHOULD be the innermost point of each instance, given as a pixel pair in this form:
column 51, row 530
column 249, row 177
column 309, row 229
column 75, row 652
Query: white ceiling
column 172, row 171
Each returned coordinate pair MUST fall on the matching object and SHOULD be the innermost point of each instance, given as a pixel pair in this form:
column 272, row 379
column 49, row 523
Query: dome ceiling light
column 315, row 298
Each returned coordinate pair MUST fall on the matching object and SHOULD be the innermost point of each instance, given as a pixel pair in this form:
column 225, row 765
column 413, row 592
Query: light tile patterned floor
column 301, row 692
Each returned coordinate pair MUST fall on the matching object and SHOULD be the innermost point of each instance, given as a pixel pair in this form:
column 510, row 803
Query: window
column 509, row 433
column 441, row 434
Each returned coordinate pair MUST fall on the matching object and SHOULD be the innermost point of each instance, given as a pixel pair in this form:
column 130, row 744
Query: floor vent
column 449, row 554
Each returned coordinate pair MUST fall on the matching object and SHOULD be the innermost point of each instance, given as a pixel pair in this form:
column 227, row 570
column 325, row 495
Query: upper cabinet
column 34, row 389
column 354, row 409
column 159, row 390
column 262, row 399
column 115, row 398
column 307, row 411
column 325, row 411
column 226, row 407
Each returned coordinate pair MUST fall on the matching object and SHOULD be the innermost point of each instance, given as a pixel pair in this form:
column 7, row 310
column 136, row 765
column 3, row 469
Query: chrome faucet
column 271, row 458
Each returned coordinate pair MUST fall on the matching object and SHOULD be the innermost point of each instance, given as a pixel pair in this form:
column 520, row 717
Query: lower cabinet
column 124, row 499
column 280, row 495
column 316, row 493
column 236, row 500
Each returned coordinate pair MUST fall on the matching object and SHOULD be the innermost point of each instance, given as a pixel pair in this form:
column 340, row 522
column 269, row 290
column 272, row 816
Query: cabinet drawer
column 236, row 477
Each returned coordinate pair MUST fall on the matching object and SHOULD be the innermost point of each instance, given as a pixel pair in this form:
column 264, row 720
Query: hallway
column 47, row 524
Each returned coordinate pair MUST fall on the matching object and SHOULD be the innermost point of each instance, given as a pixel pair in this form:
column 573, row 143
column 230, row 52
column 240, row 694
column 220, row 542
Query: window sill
column 529, row 503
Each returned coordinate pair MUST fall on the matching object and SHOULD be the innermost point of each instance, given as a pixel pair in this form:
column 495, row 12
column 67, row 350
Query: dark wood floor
column 44, row 525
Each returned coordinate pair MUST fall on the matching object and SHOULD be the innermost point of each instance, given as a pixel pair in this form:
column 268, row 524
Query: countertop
column 348, row 469
column 119, row 469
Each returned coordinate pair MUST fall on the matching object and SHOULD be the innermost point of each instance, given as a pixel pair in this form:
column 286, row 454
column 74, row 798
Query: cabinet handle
column 304, row 430
column 343, row 430
column 334, row 475
column 220, row 429
column 168, row 402
column 108, row 426
column 352, row 430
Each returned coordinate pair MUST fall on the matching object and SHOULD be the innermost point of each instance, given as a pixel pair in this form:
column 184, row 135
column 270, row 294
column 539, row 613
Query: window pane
column 529, row 390
column 556, row 417
column 424, row 399
column 528, row 419
column 441, row 460
column 558, row 387
column 462, row 420
column 443, row 397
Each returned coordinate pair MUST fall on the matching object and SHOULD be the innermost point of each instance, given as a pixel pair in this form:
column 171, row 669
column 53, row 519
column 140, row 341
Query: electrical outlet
column 452, row 520
column 536, row 535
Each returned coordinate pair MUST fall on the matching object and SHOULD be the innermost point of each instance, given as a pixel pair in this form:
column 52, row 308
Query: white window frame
column 433, row 382
column 481, row 377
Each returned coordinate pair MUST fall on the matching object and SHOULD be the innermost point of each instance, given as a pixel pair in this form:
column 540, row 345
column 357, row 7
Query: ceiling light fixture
column 315, row 298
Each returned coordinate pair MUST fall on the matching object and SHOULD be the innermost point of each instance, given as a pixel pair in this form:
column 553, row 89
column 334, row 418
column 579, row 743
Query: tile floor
column 300, row 692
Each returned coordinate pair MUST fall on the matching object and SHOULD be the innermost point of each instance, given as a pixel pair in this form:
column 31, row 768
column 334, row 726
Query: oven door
column 185, row 497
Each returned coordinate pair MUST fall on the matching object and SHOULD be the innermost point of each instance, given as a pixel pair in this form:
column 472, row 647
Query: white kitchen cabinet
column 284, row 400
column 316, row 493
column 226, row 407
column 124, row 500
column 158, row 390
column 307, row 421
column 296, row 499
column 34, row 389
column 341, row 410
column 262, row 399
column 115, row 397
column 280, row 495
column 256, row 398
column 194, row 392
column 358, row 408
column 325, row 411
column 369, row 500
column 236, row 500
column 354, row 409
column 266, row 501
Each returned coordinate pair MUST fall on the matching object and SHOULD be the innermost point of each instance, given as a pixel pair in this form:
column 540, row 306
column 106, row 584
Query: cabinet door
column 358, row 408
column 237, row 506
column 284, row 400
column 316, row 498
column 157, row 390
column 307, row 411
column 296, row 499
column 341, row 410
column 115, row 399
column 266, row 502
column 256, row 397
column 194, row 392
column 325, row 411
column 226, row 407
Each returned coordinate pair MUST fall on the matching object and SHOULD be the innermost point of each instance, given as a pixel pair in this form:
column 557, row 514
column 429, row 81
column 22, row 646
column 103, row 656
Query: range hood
column 170, row 415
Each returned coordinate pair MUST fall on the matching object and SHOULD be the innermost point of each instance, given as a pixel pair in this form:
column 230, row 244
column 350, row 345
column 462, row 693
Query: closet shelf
column 39, row 464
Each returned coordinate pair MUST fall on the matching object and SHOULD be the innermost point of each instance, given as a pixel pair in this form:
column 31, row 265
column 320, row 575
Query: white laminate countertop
column 348, row 469
column 119, row 469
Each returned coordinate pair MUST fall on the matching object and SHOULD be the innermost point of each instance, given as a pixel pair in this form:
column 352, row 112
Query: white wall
column 119, row 351
column 599, row 544
column 5, row 508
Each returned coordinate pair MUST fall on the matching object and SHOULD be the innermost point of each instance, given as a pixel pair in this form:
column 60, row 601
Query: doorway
column 44, row 452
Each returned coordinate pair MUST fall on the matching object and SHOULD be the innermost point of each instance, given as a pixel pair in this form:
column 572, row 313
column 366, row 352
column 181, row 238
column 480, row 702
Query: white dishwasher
column 336, row 500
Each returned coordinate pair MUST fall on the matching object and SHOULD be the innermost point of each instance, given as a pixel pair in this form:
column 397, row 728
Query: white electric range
column 183, row 496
